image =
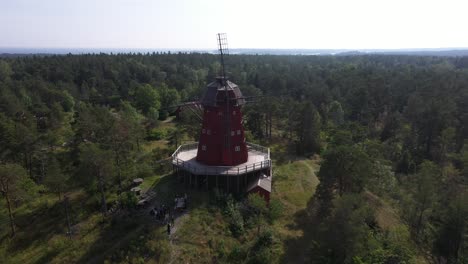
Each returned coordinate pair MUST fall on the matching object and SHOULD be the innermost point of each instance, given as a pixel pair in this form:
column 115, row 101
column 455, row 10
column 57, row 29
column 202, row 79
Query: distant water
column 90, row 50
column 337, row 52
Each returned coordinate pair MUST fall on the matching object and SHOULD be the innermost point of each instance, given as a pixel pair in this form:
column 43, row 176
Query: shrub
column 144, row 170
column 156, row 134
column 130, row 200
column 275, row 210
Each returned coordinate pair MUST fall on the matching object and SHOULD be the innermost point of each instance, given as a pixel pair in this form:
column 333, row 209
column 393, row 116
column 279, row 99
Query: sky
column 193, row 24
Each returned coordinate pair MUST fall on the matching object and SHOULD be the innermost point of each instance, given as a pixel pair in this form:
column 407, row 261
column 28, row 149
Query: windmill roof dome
column 210, row 97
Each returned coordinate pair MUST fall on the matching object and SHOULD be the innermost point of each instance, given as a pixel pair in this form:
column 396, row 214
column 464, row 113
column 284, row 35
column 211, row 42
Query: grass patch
column 295, row 183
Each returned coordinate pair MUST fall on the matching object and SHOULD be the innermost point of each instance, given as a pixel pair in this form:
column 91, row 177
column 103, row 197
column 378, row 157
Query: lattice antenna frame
column 223, row 51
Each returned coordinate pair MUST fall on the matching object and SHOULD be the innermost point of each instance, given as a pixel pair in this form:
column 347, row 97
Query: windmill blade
column 194, row 107
column 191, row 108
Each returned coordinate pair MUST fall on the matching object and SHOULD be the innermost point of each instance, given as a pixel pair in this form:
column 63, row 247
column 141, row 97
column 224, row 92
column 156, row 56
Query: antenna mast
column 223, row 50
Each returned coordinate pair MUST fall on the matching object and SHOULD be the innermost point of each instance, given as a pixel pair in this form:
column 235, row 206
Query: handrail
column 223, row 170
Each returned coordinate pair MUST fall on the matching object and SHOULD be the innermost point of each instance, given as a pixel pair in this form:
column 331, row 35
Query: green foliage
column 130, row 200
column 345, row 169
column 450, row 242
column 157, row 134
column 392, row 247
column 151, row 245
column 147, row 99
column 55, row 180
column 335, row 113
column 14, row 181
column 169, row 96
column 95, row 170
column 464, row 161
column 308, row 129
column 236, row 221
column 345, row 234
column 14, row 184
column 262, row 250
column 275, row 209
column 144, row 170
column 426, row 183
column 377, row 114
column 68, row 101
column 5, row 71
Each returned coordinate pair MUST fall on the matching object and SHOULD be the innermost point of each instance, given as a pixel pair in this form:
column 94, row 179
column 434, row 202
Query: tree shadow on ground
column 38, row 225
column 129, row 230
column 297, row 250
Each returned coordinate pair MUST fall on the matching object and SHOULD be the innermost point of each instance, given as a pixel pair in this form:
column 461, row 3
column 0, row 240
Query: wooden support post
column 217, row 181
column 227, row 181
column 237, row 183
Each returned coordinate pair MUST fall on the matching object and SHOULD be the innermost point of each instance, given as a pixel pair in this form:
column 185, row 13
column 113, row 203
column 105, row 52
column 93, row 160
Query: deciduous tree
column 13, row 179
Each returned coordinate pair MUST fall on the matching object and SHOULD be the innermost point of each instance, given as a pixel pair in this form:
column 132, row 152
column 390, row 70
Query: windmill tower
column 222, row 158
column 222, row 140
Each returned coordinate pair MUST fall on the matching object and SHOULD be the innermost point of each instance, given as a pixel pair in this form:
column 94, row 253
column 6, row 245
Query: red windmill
column 222, row 158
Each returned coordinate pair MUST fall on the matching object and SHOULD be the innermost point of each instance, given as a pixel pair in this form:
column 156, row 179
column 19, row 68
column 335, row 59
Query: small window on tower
column 203, row 131
column 238, row 132
column 208, row 132
column 203, row 147
column 233, row 133
column 233, row 112
column 237, row 148
column 220, row 113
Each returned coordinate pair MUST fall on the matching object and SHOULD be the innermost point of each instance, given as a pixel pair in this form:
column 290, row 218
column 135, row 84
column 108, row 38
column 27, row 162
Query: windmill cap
column 211, row 95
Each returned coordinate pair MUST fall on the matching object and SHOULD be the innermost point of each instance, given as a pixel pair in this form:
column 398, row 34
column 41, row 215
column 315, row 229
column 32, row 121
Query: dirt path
column 178, row 222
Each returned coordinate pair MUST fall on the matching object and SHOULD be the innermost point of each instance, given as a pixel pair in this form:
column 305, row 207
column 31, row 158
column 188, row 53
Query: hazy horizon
column 192, row 25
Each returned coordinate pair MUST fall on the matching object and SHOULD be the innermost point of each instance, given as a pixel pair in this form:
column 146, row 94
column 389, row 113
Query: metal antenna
column 223, row 50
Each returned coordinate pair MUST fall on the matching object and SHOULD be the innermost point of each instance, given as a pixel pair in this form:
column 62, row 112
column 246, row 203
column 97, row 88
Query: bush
column 144, row 170
column 156, row 134
column 263, row 248
column 236, row 222
column 130, row 200
column 221, row 249
column 158, row 247
column 275, row 210
column 237, row 255
column 163, row 115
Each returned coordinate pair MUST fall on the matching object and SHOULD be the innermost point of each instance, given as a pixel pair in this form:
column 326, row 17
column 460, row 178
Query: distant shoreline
column 6, row 52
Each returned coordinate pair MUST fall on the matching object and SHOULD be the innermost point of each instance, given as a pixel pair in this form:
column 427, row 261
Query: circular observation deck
column 185, row 158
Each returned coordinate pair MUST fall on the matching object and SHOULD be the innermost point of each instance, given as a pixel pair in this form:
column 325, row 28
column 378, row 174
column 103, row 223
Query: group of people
column 165, row 214
column 162, row 213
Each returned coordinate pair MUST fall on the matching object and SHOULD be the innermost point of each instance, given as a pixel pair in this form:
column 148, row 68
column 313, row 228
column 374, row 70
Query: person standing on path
column 168, row 229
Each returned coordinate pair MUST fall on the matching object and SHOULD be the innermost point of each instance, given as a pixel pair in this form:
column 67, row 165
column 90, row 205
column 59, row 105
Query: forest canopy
column 396, row 126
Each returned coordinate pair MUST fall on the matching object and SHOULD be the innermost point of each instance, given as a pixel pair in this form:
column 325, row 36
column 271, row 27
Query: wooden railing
column 222, row 170
column 184, row 147
column 261, row 149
